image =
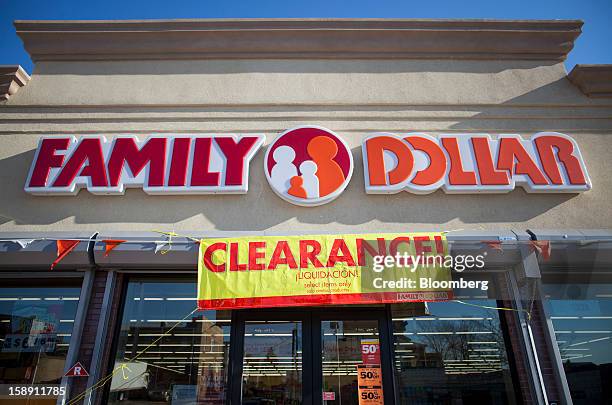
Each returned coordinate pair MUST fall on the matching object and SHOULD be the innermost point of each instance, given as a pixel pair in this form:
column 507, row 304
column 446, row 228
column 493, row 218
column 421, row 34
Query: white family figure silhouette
column 311, row 181
column 284, row 169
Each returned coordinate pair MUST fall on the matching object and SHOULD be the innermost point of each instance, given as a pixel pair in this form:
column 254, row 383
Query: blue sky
column 593, row 46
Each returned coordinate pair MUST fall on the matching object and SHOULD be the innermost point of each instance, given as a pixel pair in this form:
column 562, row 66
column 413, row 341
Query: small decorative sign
column 77, row 371
column 329, row 396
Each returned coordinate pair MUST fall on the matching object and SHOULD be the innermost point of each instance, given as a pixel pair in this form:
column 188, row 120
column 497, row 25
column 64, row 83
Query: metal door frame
column 311, row 318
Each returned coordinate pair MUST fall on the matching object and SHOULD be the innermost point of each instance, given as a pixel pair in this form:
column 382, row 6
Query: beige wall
column 350, row 97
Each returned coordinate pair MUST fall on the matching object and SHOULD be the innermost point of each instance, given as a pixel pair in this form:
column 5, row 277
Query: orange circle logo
column 308, row 165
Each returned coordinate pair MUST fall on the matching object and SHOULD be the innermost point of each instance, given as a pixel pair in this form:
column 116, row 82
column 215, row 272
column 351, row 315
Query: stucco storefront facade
column 354, row 77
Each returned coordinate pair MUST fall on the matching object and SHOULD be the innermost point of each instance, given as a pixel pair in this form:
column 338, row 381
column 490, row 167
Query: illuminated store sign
column 173, row 164
column 309, row 165
column 421, row 164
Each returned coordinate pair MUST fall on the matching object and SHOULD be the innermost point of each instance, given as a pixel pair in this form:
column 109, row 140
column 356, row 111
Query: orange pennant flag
column 63, row 248
column 542, row 247
column 493, row 244
column 111, row 244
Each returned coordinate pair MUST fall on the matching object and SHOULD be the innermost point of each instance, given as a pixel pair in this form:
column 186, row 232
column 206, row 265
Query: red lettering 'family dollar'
column 309, row 165
column 160, row 164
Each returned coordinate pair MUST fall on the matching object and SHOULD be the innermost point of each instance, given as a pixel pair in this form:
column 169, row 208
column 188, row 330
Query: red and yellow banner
column 267, row 271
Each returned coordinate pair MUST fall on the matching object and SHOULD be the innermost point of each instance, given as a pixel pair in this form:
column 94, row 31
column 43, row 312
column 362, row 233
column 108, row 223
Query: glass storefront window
column 582, row 319
column 272, row 364
column 188, row 365
column 451, row 353
column 35, row 329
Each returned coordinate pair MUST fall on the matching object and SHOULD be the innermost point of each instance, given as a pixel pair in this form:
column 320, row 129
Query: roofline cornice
column 299, row 39
column 12, row 78
column 593, row 80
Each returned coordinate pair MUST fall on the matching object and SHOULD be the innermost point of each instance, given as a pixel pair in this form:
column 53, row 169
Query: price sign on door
column 370, row 351
column 370, row 396
column 369, row 376
column 369, row 382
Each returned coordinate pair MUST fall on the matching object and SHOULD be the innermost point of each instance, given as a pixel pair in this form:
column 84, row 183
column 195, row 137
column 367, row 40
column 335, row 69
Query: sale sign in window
column 369, row 381
column 370, row 351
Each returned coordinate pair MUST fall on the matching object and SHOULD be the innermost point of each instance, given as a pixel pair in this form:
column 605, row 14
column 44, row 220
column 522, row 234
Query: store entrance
column 311, row 356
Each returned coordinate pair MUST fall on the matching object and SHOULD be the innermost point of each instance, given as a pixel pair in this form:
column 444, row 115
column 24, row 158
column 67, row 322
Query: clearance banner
column 268, row 271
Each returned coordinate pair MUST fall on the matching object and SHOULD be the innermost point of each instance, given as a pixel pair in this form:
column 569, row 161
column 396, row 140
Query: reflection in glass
column 454, row 355
column 347, row 346
column 272, row 365
column 185, row 367
column 35, row 330
column 582, row 320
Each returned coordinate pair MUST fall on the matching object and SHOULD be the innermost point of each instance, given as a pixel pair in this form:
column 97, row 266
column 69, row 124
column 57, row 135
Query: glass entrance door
column 350, row 358
column 311, row 356
column 270, row 357
column 354, row 357
column 272, row 362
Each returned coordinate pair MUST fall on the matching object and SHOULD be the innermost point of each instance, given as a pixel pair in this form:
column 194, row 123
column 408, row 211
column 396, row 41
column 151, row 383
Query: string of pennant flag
column 66, row 246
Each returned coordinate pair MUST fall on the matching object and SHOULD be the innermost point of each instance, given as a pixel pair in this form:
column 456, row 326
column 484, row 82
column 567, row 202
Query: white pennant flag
column 24, row 243
column 163, row 246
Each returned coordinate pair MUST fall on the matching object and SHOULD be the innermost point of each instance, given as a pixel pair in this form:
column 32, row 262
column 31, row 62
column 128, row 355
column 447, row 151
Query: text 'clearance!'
column 302, row 174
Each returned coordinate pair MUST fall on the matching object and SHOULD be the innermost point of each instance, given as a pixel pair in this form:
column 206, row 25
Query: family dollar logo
column 308, row 165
